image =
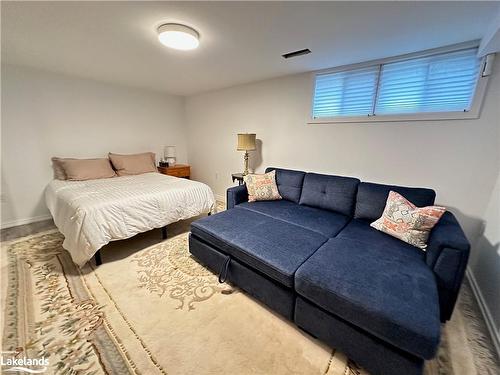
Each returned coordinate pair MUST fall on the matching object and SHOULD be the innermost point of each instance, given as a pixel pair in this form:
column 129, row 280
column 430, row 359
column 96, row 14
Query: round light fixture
column 177, row 36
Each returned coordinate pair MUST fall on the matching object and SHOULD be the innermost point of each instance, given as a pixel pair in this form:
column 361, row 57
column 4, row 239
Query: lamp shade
column 169, row 151
column 246, row 142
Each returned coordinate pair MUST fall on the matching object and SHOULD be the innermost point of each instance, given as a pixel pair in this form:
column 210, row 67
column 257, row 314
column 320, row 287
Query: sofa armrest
column 236, row 195
column 447, row 255
column 446, row 233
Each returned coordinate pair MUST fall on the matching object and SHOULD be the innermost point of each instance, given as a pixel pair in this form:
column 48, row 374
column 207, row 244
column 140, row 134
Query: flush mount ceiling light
column 177, row 36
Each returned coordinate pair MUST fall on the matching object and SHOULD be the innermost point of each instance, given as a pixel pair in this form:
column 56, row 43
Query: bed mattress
column 92, row 213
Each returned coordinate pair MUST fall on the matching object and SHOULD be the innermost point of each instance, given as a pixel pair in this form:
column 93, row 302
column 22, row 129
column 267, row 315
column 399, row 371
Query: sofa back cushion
column 371, row 198
column 289, row 183
column 333, row 193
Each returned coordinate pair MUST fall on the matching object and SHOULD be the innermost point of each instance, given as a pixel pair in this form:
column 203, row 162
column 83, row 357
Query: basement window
column 438, row 84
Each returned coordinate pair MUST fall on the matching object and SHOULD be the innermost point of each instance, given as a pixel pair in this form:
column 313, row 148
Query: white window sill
column 440, row 116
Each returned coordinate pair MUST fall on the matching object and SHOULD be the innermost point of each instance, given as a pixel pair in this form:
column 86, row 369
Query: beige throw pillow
column 58, row 168
column 126, row 165
column 262, row 187
column 86, row 169
column 407, row 222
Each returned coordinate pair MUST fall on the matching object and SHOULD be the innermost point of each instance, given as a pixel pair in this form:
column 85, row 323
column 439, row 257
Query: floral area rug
column 152, row 309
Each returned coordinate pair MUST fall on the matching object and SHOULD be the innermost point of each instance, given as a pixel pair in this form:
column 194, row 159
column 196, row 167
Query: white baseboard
column 30, row 220
column 490, row 324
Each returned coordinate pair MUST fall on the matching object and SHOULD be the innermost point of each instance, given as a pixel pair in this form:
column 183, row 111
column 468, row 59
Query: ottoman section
column 272, row 247
column 278, row 297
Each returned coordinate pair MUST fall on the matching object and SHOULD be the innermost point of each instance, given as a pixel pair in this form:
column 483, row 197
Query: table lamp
column 246, row 142
column 169, row 155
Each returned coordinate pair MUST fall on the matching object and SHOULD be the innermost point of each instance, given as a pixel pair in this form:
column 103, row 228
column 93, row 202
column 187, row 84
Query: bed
column 92, row 213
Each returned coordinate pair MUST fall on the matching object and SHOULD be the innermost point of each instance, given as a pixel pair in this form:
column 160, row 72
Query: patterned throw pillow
column 262, row 187
column 407, row 222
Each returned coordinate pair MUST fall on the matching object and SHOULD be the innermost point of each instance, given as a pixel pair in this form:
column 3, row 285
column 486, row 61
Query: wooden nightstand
column 178, row 170
column 238, row 177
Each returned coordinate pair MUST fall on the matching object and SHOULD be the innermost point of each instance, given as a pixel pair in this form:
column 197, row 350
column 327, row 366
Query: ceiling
column 240, row 41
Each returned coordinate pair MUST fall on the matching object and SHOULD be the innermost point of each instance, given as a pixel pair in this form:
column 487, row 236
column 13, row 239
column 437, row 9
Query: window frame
column 473, row 113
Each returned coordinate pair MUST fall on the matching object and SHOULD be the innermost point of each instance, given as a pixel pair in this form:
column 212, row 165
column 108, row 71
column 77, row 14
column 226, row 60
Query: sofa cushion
column 360, row 230
column 371, row 198
column 324, row 222
column 289, row 183
column 333, row 193
column 385, row 291
column 271, row 246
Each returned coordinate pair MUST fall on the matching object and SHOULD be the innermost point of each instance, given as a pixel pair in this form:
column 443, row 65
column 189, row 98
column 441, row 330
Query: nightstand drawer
column 179, row 172
column 176, row 171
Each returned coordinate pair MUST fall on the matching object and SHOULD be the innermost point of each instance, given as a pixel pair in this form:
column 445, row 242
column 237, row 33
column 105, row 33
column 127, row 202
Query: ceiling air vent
column 297, row 53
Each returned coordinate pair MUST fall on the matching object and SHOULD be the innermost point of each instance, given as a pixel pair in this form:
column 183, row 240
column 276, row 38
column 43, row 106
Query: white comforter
column 92, row 213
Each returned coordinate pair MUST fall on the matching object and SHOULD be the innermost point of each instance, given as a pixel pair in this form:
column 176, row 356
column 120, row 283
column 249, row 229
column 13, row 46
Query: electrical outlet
column 216, row 175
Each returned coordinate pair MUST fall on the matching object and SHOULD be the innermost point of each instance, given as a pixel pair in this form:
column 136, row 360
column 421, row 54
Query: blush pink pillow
column 126, row 165
column 86, row 169
column 59, row 173
column 407, row 222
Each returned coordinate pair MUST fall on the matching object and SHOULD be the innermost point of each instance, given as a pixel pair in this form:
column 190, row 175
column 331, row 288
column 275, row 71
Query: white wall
column 460, row 159
column 485, row 265
column 46, row 114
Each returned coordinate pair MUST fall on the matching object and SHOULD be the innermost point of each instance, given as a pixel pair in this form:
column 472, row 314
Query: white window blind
column 348, row 93
column 440, row 83
column 437, row 83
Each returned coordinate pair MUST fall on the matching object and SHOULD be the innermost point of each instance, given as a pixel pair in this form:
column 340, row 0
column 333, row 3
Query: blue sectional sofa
column 314, row 258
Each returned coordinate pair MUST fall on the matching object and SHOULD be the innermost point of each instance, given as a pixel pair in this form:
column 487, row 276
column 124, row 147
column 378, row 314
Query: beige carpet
column 152, row 309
